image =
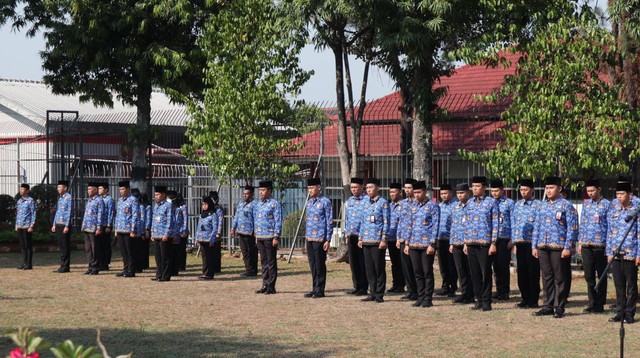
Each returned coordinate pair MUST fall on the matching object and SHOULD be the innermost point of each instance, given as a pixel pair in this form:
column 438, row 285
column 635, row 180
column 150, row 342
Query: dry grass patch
column 190, row 318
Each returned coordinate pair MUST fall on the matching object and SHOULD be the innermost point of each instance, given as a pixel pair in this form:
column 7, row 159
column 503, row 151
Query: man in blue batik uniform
column 404, row 233
column 352, row 213
column 625, row 261
column 395, row 213
column 92, row 227
column 523, row 219
column 592, row 239
column 267, row 217
column 456, row 247
column 160, row 230
column 502, row 254
column 25, row 221
column 554, row 237
column 374, row 226
column 62, row 225
column 125, row 228
column 318, row 232
column 445, row 258
column 108, row 215
column 243, row 230
column 480, row 241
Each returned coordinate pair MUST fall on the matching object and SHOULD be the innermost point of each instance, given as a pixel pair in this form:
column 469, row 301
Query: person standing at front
column 25, row 221
column 62, row 225
column 267, row 216
column 318, row 233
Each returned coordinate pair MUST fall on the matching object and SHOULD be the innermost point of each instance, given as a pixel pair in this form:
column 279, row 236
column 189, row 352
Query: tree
column 121, row 49
column 565, row 115
column 243, row 125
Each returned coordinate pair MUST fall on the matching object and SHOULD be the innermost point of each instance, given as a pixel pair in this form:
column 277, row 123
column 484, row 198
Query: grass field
column 224, row 317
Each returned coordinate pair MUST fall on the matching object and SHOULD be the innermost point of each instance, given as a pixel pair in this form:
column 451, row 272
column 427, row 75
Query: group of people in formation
column 133, row 220
column 473, row 237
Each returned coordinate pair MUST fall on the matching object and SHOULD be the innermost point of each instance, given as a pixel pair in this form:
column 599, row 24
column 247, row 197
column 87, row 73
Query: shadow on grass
column 190, row 343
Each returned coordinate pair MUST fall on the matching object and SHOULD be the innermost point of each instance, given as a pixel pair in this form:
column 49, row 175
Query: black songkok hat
column 373, row 181
column 526, row 182
column 249, row 187
column 409, row 181
column 462, row 187
column 446, row 187
column 313, row 181
column 395, row 186
column 93, row 184
column 497, row 183
column 624, row 187
column 104, row 185
column 420, row 184
column 479, row 180
column 161, row 189
column 26, row 186
column 266, row 184
column 592, row 182
column 553, row 181
column 123, row 184
column 357, row 181
column 624, row 179
column 63, row 182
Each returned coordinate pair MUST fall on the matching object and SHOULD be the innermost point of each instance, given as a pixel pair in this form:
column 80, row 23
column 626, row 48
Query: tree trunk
column 140, row 142
column 422, row 145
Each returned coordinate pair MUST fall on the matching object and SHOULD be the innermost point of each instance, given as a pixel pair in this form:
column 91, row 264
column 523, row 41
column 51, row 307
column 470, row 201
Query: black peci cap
column 395, row 186
column 123, row 184
column 92, row 184
column 373, row 181
column 526, row 182
column 63, row 182
column 419, row 184
column 26, row 186
column 104, row 185
column 462, row 187
column 357, row 181
column 313, row 181
column 624, row 187
column 266, row 184
column 161, row 189
column 497, row 183
column 479, row 180
column 409, row 181
column 592, row 182
column 249, row 187
column 446, row 187
column 552, row 180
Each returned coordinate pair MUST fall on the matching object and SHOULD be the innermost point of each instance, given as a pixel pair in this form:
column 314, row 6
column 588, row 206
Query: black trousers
column 501, row 264
column 625, row 278
column 105, row 249
column 423, row 270
column 528, row 274
column 163, row 259
column 464, row 275
column 556, row 278
column 217, row 256
column 144, row 255
column 249, row 253
column 182, row 254
column 64, row 242
column 126, row 246
column 480, row 269
column 175, row 247
column 92, row 250
column 26, row 247
column 447, row 266
column 375, row 266
column 138, row 250
column 318, row 265
column 207, row 258
column 407, row 270
column 268, row 259
column 356, row 263
column 594, row 261
column 396, row 266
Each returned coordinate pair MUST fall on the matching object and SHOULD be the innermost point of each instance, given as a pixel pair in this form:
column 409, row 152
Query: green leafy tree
column 242, row 126
column 117, row 50
column 566, row 116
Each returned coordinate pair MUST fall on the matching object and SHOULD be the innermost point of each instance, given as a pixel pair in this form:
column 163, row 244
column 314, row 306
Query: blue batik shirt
column 243, row 220
column 92, row 220
column 593, row 223
column 176, row 224
column 148, row 218
column 267, row 219
column 395, row 214
column 556, row 225
column 220, row 215
column 182, row 226
column 505, row 206
column 444, row 230
column 352, row 213
column 404, row 226
column 319, row 219
column 617, row 228
column 109, row 211
column 425, row 219
column 459, row 224
column 162, row 219
column 483, row 220
column 374, row 220
column 523, row 219
column 126, row 214
column 207, row 228
column 25, row 213
column 141, row 220
column 63, row 210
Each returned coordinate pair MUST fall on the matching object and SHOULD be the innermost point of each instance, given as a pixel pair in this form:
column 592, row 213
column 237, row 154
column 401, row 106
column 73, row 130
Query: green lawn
column 224, row 317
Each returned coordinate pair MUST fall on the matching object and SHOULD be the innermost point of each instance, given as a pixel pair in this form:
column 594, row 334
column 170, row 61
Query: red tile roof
column 473, row 124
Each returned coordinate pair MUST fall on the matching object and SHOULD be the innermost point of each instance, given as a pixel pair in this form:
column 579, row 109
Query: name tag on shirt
column 372, row 218
column 246, row 214
column 596, row 218
column 558, row 215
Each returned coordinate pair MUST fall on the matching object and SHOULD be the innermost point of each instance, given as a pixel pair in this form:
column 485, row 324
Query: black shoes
column 262, row 290
column 486, row 308
column 522, row 305
column 476, row 307
column 501, row 296
column 417, row 304
column 462, row 300
column 409, row 297
column 593, row 310
column 88, row 272
column 120, row 274
column 317, row 295
column 395, row 290
column 379, row 299
column 558, row 314
column 270, row 291
column 21, row 267
column 368, row 299
column 629, row 319
column 427, row 303
column 62, row 270
column 546, row 311
column 309, row 294
column 205, row 278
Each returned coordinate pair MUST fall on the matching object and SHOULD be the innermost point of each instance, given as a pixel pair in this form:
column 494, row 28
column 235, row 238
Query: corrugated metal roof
column 32, row 99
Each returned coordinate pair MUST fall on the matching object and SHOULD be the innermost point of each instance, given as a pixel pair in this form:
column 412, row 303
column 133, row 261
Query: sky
column 21, row 60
